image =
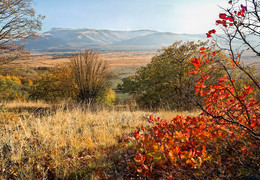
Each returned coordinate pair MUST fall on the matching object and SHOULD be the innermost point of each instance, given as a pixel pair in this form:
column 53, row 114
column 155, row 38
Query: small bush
column 108, row 98
column 84, row 79
column 54, row 85
column 10, row 88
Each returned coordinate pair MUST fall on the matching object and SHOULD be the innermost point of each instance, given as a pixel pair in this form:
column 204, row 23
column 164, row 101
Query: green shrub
column 10, row 88
column 108, row 98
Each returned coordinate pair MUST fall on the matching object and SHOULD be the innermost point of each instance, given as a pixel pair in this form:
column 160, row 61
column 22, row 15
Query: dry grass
column 115, row 60
column 35, row 146
column 26, row 104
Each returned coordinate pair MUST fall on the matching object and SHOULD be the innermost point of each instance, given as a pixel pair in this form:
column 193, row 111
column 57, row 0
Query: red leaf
column 139, row 158
column 218, row 22
column 222, row 16
column 220, row 80
column 230, row 18
column 196, row 62
column 253, row 125
column 205, row 77
column 202, row 48
column 249, row 89
column 244, row 8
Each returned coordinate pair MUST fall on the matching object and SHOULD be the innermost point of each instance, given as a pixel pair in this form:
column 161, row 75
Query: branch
column 245, row 128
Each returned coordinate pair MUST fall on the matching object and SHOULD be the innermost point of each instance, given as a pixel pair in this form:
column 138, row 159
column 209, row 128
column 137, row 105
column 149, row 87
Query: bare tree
column 91, row 75
column 17, row 20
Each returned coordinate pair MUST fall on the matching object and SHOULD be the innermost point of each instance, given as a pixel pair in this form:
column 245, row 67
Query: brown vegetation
column 68, row 143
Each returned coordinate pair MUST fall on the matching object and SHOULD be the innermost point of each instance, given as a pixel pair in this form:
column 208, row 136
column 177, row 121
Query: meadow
column 67, row 140
column 40, row 140
column 38, row 137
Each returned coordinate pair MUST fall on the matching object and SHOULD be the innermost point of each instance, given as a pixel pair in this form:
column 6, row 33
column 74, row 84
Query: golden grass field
column 114, row 59
column 64, row 140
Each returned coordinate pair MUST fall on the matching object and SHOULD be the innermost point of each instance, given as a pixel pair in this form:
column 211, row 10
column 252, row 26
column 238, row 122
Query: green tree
column 165, row 82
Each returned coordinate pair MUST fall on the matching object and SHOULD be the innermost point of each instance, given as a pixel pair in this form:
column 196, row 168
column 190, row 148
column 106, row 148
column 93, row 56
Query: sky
column 178, row 16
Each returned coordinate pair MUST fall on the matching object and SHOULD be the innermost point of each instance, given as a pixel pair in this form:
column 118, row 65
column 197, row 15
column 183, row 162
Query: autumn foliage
column 221, row 143
column 226, row 104
column 189, row 148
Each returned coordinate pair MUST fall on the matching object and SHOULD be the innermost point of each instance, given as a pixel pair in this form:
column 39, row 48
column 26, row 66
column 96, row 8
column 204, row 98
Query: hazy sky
column 180, row 16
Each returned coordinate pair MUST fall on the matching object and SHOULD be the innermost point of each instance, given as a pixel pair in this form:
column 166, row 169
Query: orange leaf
column 202, row 48
column 205, row 77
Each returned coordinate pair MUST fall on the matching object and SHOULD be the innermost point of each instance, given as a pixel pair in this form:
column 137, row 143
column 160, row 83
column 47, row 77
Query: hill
column 63, row 40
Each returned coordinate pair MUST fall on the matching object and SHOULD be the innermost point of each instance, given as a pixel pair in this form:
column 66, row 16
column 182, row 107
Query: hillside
column 62, row 40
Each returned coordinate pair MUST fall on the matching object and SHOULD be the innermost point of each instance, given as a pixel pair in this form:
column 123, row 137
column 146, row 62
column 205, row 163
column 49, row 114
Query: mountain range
column 67, row 40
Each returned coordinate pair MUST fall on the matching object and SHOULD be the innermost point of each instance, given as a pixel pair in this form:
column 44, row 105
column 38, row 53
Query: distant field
column 114, row 59
column 119, row 62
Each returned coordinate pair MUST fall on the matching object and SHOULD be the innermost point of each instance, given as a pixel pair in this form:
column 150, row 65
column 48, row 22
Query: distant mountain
column 61, row 40
column 159, row 39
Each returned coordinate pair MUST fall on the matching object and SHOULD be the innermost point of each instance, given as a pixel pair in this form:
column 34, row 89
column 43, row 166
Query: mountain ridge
column 71, row 39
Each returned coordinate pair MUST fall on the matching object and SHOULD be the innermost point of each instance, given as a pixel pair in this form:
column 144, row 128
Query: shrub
column 91, row 75
column 10, row 88
column 189, row 148
column 56, row 84
column 84, row 79
column 108, row 98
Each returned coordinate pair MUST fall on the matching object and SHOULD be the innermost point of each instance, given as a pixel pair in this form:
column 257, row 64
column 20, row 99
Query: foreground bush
column 190, row 148
column 221, row 143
